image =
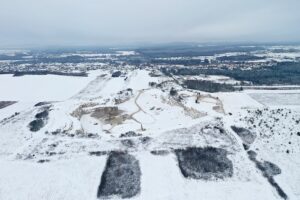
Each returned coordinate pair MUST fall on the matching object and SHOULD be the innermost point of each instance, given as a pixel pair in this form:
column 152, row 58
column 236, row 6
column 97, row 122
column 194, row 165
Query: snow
column 126, row 53
column 75, row 179
column 237, row 100
column 277, row 99
column 10, row 110
column 34, row 88
column 151, row 112
column 169, row 183
column 277, row 141
column 79, row 178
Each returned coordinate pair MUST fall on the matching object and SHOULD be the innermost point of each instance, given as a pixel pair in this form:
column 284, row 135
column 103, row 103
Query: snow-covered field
column 277, row 99
column 41, row 88
column 58, row 149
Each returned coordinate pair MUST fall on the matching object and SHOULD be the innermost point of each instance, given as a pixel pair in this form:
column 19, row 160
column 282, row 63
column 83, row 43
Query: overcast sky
column 105, row 22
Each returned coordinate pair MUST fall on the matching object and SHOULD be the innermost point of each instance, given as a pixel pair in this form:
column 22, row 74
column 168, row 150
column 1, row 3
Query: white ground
column 41, row 88
column 72, row 173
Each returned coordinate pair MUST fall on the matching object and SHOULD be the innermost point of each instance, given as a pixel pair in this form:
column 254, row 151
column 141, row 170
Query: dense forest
column 283, row 73
column 208, row 86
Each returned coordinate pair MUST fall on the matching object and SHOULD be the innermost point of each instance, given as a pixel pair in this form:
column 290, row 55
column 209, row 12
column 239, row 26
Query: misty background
column 122, row 22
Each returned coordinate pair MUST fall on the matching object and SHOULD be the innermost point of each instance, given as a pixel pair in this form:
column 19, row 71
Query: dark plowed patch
column 42, row 103
column 130, row 134
column 204, row 163
column 279, row 190
column 160, row 152
column 4, row 104
column 98, row 153
column 247, row 136
column 269, row 170
column 145, row 140
column 42, row 114
column 43, row 161
column 36, row 125
column 40, row 120
column 121, row 177
column 128, row 143
column 252, row 155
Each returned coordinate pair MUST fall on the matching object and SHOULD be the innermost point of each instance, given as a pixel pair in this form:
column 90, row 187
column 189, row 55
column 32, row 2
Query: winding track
column 131, row 116
column 137, row 105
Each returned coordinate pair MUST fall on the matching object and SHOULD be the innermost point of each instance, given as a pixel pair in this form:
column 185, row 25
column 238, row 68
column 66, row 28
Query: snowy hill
column 139, row 136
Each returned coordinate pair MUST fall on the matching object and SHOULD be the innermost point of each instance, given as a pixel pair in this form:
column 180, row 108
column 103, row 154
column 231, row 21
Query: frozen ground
column 41, row 88
column 277, row 99
column 95, row 132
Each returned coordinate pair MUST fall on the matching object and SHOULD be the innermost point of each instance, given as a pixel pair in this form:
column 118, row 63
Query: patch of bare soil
column 123, row 96
column 110, row 115
column 218, row 103
column 192, row 112
column 4, row 104
column 83, row 110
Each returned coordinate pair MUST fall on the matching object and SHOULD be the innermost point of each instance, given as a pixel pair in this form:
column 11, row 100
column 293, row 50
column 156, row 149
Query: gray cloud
column 102, row 22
